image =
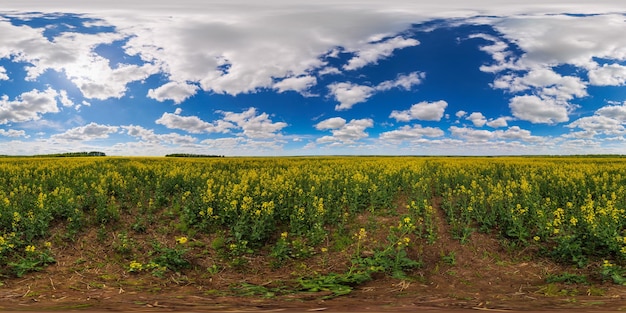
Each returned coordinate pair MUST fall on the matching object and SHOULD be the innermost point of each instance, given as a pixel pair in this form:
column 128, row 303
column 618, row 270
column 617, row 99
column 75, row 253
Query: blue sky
column 294, row 78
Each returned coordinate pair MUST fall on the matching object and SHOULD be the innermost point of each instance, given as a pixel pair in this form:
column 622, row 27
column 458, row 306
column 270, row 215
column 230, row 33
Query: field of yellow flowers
column 571, row 209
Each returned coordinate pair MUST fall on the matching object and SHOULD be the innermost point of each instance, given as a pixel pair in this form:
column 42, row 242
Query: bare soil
column 479, row 274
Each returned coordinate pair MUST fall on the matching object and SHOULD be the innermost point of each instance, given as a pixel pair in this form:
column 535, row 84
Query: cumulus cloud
column 255, row 126
column 13, row 133
column 411, row 132
column 329, row 70
column 548, row 41
column 537, row 110
column 599, row 124
column 348, row 94
column 240, row 51
column 608, row 120
column 252, row 125
column 425, row 111
column 565, row 39
column 149, row 136
column 498, row 50
column 3, row 73
column 517, row 133
column 547, row 82
column 471, row 134
column 342, row 132
column 477, row 118
column 193, row 124
column 175, row 91
column 608, row 75
column 300, row 84
column 372, row 52
column 499, row 122
column 331, row 123
column 88, row 132
column 28, row 106
column 405, row 82
column 617, row 112
column 73, row 55
column 64, row 99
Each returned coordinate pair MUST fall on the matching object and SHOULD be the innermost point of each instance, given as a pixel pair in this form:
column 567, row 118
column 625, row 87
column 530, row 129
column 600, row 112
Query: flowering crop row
column 572, row 207
column 251, row 199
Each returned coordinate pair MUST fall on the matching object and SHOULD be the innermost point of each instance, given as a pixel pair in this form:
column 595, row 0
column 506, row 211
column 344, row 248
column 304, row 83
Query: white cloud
column 498, row 52
column 460, row 114
column 331, row 123
column 516, row 133
column 372, row 52
column 562, row 39
column 255, row 126
column 477, row 118
column 65, row 100
column 193, row 124
column 300, row 84
column 223, row 143
column 608, row 75
column 3, row 73
column 547, row 82
column 402, row 81
column 28, row 106
column 175, row 91
column 599, row 124
column 617, row 112
column 608, row 120
column 537, row 110
column 103, row 82
column 227, row 48
column 471, row 134
column 348, row 94
column 149, row 136
column 231, row 50
column 345, row 133
column 328, row 71
column 88, row 132
column 411, row 132
column 13, row 133
column 73, row 54
column 499, row 122
column 425, row 111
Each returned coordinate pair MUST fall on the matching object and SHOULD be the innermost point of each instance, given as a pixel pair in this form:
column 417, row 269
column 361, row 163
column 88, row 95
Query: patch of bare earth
column 479, row 274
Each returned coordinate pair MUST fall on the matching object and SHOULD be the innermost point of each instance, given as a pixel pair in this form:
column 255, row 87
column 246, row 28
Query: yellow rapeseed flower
column 182, row 240
column 135, row 266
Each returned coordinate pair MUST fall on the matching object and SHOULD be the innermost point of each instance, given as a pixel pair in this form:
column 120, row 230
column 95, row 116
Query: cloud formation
column 28, row 106
column 342, row 132
column 424, row 111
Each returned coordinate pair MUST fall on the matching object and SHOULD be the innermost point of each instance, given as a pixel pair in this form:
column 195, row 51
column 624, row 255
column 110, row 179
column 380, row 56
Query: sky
column 290, row 77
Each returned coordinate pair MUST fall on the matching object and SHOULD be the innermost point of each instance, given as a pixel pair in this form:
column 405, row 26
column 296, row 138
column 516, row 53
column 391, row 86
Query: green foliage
column 567, row 278
column 170, row 258
column 613, row 272
column 33, row 260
